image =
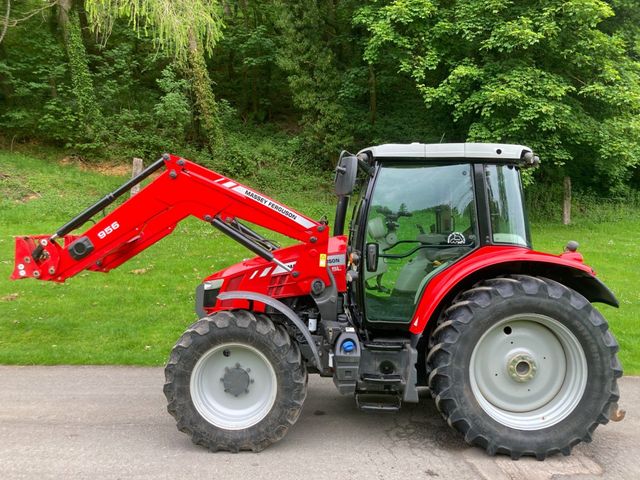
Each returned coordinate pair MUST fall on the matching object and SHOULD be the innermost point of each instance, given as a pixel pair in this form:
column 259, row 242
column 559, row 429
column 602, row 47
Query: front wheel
column 235, row 381
column 523, row 366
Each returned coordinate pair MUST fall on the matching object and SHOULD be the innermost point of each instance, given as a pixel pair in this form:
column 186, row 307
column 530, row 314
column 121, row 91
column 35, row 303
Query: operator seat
column 377, row 232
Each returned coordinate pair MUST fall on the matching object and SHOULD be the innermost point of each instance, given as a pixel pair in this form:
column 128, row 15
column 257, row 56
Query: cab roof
column 497, row 152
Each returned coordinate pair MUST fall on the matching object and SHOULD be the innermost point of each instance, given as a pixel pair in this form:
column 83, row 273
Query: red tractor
column 435, row 285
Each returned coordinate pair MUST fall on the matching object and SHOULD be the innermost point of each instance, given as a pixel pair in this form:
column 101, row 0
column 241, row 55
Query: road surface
column 111, row 423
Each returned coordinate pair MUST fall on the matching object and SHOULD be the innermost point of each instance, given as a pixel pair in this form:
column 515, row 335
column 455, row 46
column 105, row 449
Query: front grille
column 276, row 285
column 210, row 297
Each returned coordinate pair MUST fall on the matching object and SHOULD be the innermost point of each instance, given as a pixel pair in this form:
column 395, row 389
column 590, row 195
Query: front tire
column 524, row 366
column 235, row 381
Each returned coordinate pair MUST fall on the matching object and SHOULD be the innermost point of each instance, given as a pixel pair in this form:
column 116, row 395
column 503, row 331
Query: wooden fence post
column 136, row 169
column 566, row 204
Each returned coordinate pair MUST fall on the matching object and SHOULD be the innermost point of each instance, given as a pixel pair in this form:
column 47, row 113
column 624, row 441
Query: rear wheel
column 523, row 366
column 235, row 381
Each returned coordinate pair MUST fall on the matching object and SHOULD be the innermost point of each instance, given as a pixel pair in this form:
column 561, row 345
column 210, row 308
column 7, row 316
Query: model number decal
column 107, row 230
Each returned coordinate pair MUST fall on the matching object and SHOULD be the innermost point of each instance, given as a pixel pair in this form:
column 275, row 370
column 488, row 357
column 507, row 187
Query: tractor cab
column 423, row 208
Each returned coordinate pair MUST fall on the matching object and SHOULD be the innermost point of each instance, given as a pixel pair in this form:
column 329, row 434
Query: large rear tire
column 235, row 381
column 523, row 366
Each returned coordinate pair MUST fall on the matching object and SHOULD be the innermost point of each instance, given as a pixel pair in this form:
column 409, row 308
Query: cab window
column 423, row 219
column 506, row 209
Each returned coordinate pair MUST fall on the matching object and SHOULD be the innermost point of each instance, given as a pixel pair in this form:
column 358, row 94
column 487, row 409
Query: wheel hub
column 522, row 367
column 236, row 380
column 233, row 386
column 528, row 371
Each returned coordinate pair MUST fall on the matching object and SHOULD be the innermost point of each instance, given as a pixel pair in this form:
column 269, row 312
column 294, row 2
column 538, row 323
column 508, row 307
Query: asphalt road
column 111, row 423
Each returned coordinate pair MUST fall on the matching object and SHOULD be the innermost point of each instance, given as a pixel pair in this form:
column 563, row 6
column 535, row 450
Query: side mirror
column 346, row 172
column 530, row 160
column 372, row 257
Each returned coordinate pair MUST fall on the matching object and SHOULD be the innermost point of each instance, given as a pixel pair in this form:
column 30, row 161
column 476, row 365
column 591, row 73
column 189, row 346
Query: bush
column 544, row 204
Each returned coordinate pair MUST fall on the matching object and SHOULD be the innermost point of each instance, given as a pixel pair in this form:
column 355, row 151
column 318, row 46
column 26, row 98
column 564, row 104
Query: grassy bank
column 135, row 313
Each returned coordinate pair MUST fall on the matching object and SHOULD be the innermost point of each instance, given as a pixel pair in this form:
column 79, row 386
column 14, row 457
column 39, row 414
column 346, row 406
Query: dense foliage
column 541, row 71
column 248, row 84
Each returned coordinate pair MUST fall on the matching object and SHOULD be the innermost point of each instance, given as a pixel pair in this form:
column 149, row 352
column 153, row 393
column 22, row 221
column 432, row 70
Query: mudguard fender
column 282, row 308
column 493, row 261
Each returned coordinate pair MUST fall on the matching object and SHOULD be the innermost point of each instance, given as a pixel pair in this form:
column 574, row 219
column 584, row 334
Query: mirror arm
column 363, row 164
column 341, row 215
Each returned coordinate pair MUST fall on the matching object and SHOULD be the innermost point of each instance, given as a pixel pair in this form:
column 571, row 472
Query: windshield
column 508, row 224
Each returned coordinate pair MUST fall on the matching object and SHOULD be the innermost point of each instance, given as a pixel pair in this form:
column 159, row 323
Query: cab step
column 371, row 402
column 382, row 379
column 386, row 346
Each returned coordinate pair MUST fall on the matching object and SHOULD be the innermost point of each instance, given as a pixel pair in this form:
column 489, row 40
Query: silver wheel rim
column 233, row 386
column 528, row 372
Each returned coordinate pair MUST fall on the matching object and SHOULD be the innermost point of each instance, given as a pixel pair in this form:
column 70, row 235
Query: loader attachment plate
column 46, row 266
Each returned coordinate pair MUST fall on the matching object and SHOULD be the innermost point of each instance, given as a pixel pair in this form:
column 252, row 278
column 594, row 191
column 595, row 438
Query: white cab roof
column 497, row 151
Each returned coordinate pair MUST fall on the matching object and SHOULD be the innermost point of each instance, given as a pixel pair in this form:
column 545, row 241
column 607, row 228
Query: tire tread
column 179, row 401
column 453, row 324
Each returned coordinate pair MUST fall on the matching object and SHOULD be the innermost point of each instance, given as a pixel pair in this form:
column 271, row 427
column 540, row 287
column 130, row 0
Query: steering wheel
column 456, row 238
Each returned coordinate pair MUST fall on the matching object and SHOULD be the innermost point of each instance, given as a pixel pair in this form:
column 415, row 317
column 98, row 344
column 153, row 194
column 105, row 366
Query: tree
column 89, row 113
column 37, row 97
column 186, row 29
column 310, row 54
column 549, row 73
column 7, row 16
column 86, row 106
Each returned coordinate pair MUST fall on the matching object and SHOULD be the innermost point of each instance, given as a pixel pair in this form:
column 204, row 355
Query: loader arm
column 184, row 188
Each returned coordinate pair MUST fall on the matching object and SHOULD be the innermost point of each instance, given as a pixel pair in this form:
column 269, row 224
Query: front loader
column 436, row 285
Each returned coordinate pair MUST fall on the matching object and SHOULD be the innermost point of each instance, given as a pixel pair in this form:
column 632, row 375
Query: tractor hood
column 258, row 275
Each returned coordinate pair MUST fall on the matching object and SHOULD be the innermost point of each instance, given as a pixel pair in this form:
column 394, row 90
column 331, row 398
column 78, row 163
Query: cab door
column 422, row 217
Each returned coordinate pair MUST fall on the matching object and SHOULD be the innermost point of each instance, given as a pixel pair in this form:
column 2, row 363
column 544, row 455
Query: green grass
column 134, row 318
column 612, row 249
column 118, row 318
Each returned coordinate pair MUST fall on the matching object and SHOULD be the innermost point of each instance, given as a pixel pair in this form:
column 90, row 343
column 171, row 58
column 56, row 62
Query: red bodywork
column 186, row 188
column 485, row 257
column 259, row 276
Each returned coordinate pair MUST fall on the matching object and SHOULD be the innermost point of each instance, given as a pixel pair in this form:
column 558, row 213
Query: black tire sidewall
column 572, row 428
column 274, row 425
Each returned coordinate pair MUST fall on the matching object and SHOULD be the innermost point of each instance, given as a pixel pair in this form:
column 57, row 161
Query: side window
column 423, row 218
column 505, row 205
